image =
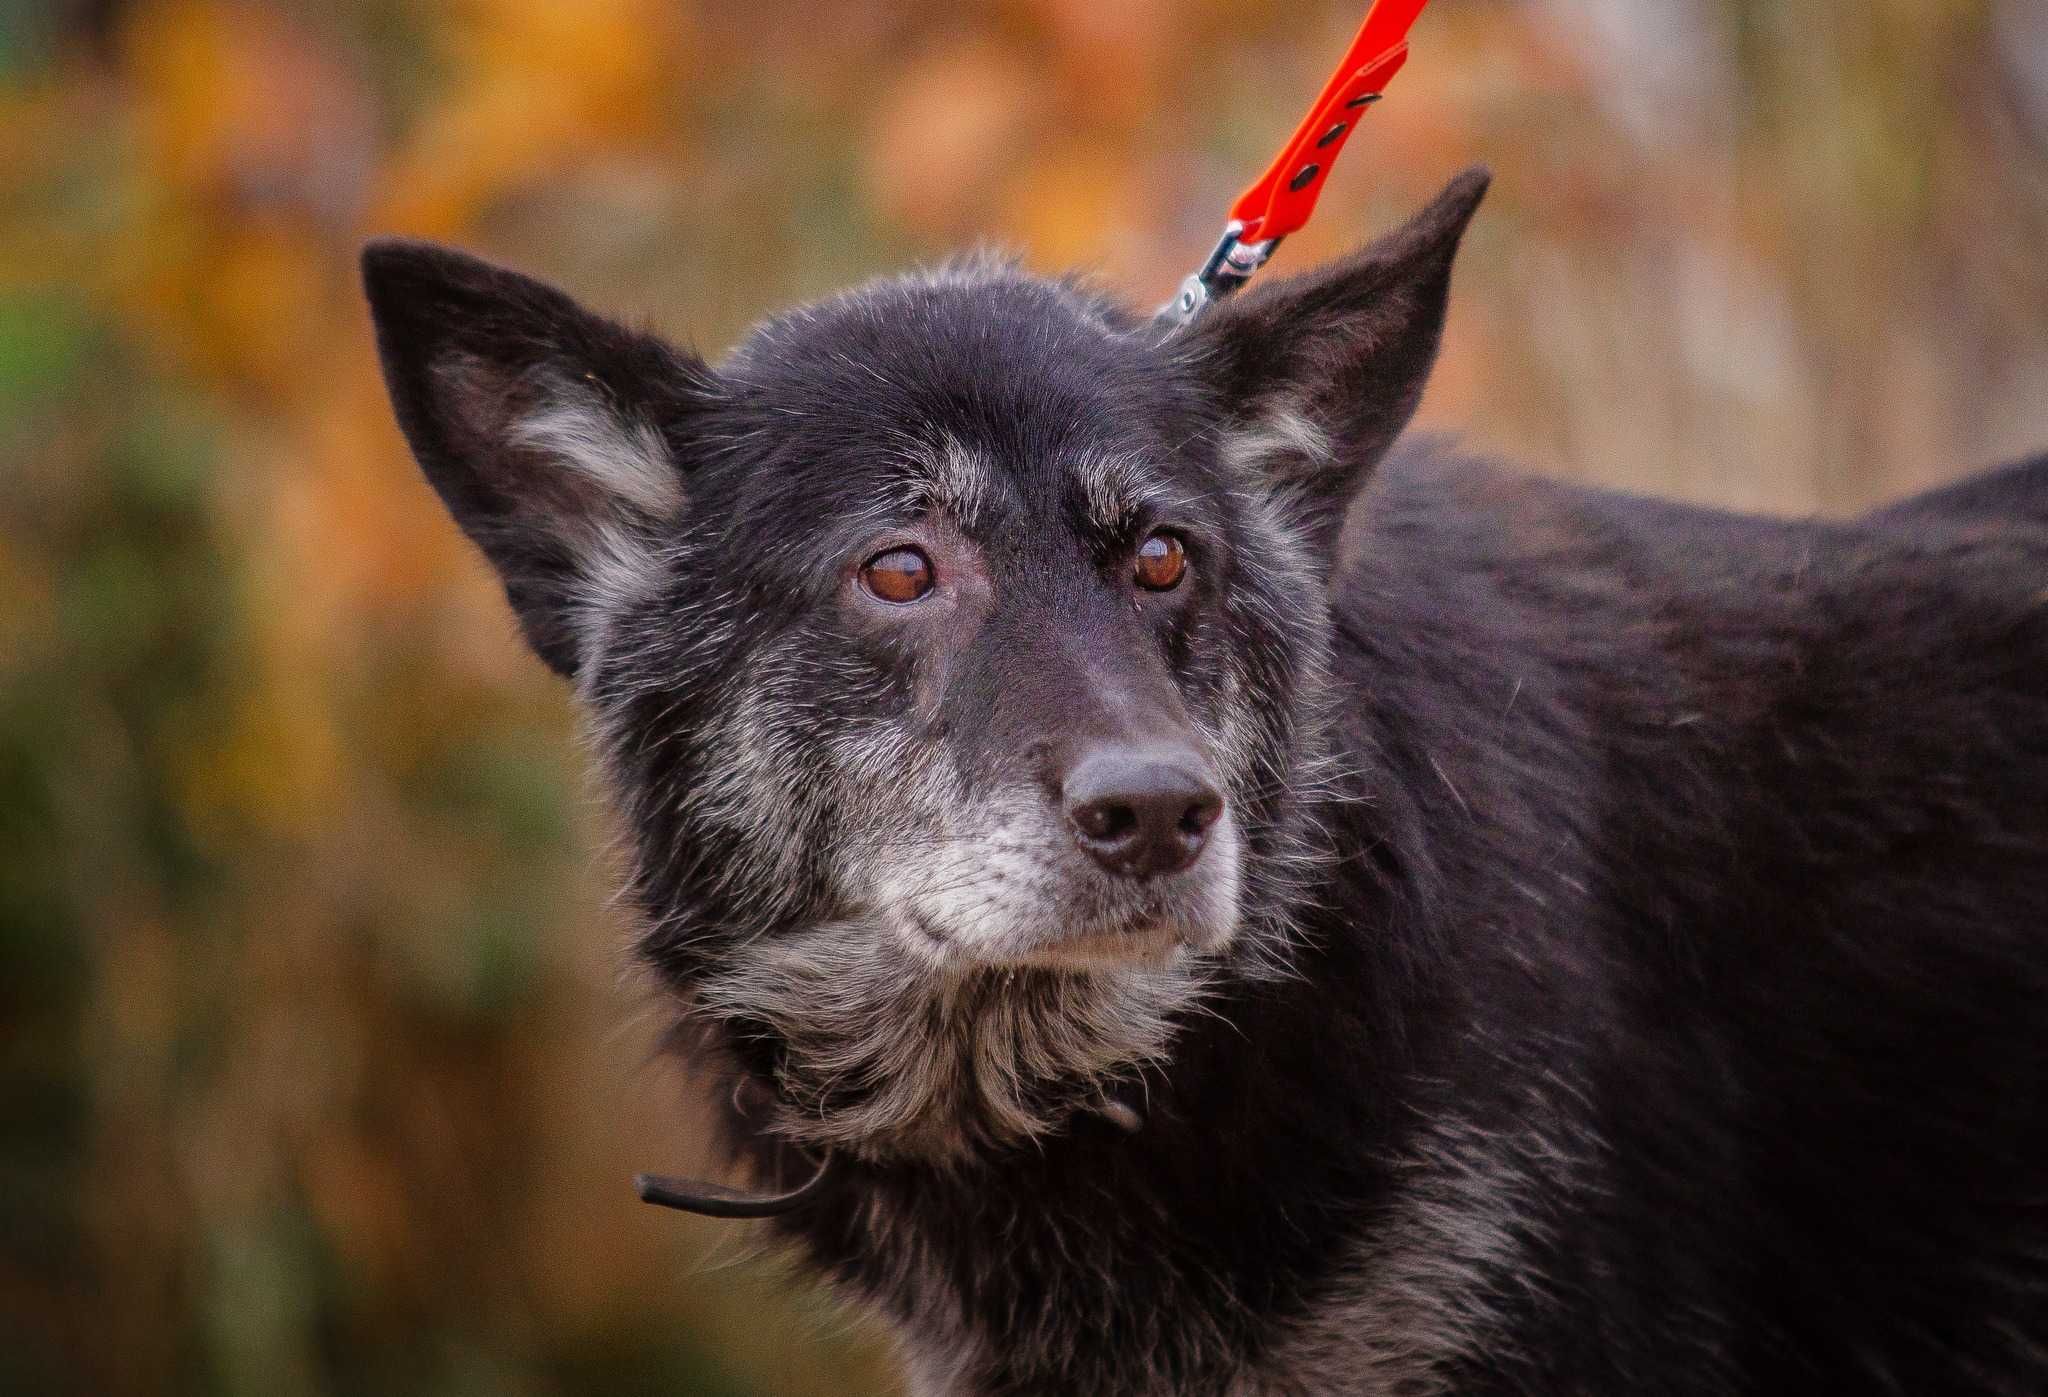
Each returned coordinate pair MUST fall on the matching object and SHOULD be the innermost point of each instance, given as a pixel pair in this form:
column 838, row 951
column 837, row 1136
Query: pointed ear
column 552, row 434
column 1316, row 374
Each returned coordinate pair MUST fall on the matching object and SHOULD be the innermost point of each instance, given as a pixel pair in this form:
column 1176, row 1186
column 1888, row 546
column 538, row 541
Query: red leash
column 1281, row 200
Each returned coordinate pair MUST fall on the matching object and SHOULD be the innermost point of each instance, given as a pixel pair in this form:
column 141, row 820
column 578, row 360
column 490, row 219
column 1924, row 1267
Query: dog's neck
column 1195, row 1211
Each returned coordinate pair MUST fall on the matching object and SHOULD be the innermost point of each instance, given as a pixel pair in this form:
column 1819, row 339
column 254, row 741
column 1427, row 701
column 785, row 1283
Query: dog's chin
column 1146, row 943
column 1142, row 945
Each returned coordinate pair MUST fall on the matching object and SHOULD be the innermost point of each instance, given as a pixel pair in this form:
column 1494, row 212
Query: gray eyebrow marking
column 951, row 477
column 963, row 479
column 1117, row 490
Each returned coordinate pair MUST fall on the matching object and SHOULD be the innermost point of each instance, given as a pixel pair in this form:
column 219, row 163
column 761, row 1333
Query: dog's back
column 2014, row 495
column 1744, row 823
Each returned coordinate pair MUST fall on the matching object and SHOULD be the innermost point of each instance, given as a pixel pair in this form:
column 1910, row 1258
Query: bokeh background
column 318, row 1073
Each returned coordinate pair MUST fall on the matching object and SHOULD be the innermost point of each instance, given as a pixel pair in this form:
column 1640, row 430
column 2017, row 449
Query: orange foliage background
column 317, row 1073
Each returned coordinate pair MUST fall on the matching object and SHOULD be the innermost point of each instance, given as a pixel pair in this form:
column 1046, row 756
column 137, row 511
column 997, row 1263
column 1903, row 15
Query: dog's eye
column 899, row 575
column 1162, row 562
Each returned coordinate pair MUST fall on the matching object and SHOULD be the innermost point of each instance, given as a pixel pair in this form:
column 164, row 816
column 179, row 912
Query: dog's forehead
column 984, row 392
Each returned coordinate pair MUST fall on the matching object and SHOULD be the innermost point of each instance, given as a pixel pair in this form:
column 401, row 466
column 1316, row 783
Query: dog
column 1248, row 902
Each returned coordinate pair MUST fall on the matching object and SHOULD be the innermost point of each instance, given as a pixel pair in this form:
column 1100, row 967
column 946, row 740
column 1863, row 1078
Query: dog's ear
column 1316, row 374
column 552, row 434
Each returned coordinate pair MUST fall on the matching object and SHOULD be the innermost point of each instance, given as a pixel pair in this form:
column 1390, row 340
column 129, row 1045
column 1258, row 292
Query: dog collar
column 1281, row 200
column 713, row 1200
column 706, row 1199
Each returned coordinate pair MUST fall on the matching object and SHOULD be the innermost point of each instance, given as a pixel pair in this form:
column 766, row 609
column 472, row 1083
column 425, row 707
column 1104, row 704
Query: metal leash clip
column 1229, row 267
column 1281, row 200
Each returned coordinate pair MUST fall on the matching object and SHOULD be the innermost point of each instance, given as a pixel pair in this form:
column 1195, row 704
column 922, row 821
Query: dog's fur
column 1621, row 964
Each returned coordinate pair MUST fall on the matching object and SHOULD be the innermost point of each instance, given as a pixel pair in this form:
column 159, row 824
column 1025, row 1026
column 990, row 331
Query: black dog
column 1242, row 921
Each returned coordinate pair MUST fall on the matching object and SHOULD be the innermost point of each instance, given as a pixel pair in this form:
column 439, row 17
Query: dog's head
column 954, row 647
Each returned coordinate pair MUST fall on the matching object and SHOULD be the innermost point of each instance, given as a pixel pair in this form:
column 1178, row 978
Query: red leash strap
column 1281, row 200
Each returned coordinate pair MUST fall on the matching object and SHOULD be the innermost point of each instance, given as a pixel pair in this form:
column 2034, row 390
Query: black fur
column 1639, row 976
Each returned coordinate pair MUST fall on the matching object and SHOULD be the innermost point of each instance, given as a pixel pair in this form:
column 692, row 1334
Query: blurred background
column 318, row 1069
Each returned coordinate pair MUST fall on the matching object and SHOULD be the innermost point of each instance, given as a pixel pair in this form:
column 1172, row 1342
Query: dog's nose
column 1141, row 812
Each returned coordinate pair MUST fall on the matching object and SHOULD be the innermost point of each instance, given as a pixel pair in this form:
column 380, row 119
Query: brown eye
column 1162, row 562
column 899, row 575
